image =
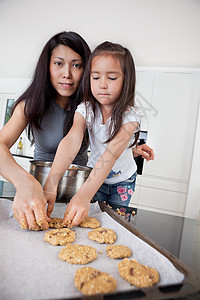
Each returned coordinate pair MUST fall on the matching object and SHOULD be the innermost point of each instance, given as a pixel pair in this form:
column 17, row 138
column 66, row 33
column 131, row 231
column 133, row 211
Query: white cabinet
column 193, row 204
column 172, row 129
column 171, row 133
column 143, row 95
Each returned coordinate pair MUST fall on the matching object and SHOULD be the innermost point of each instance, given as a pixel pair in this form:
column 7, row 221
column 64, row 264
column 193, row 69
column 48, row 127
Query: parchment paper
column 31, row 269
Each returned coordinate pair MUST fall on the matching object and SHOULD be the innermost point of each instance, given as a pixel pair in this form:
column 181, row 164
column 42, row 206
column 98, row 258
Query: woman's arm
column 65, row 154
column 79, row 205
column 8, row 136
column 29, row 204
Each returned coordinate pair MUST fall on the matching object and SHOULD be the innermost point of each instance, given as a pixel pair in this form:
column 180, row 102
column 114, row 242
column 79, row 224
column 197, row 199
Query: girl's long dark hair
column 127, row 95
column 40, row 91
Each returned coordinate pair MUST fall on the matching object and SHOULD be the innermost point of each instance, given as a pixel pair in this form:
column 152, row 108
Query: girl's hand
column 143, row 150
column 30, row 205
column 76, row 211
column 50, row 191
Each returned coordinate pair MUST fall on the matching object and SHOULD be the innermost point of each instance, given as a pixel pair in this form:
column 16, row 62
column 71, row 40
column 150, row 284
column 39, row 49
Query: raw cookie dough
column 103, row 235
column 24, row 225
column 137, row 274
column 91, row 281
column 78, row 254
column 118, row 251
column 56, row 223
column 90, row 222
column 62, row 236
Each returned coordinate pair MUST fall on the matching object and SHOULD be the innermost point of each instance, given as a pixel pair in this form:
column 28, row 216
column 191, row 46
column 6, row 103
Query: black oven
column 139, row 160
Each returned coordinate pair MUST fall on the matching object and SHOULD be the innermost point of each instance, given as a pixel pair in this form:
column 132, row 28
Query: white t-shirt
column 125, row 165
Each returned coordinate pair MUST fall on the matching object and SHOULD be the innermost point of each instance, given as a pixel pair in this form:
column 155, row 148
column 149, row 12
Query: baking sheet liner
column 31, row 269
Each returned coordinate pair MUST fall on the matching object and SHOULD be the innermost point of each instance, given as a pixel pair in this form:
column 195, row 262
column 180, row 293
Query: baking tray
column 189, row 287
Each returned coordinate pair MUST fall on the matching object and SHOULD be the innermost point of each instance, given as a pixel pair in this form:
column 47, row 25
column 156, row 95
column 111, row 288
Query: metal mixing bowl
column 69, row 184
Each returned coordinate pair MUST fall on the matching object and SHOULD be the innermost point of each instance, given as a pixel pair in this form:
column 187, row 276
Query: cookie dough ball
column 62, row 236
column 56, row 223
column 137, row 274
column 103, row 235
column 91, row 281
column 90, row 222
column 78, row 254
column 118, row 251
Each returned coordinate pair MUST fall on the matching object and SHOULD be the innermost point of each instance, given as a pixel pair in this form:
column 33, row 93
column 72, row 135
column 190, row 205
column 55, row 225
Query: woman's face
column 66, row 68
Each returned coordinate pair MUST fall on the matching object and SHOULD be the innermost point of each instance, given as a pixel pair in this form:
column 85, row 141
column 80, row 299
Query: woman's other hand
column 145, row 151
column 30, row 205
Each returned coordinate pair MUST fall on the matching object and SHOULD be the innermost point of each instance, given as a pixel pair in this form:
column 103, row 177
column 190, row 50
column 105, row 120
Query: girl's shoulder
column 133, row 113
column 133, row 110
column 85, row 109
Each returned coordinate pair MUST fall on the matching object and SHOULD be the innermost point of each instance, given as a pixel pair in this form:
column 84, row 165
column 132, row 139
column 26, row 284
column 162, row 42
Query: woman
column 47, row 107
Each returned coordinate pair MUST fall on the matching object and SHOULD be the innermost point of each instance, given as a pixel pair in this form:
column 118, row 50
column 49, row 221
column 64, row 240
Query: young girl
column 113, row 124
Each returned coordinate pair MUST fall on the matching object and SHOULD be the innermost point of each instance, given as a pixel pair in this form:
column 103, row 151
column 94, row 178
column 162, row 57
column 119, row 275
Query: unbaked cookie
column 91, row 281
column 137, row 274
column 90, row 222
column 103, row 235
column 56, row 223
column 118, row 251
column 78, row 254
column 62, row 236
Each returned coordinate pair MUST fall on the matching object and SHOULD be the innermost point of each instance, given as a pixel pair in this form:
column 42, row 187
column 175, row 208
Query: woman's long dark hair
column 127, row 95
column 40, row 91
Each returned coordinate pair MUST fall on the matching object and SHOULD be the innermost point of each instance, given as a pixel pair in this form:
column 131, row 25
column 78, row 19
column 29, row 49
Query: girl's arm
column 29, row 203
column 79, row 205
column 65, row 154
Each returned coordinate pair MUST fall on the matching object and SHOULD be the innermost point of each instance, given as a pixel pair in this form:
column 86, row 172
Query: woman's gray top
column 46, row 140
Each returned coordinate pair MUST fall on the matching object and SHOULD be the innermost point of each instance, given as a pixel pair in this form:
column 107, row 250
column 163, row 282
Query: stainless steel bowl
column 69, row 184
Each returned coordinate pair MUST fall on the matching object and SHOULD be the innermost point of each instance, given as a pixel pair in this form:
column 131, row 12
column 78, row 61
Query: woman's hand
column 30, row 205
column 143, row 150
column 76, row 211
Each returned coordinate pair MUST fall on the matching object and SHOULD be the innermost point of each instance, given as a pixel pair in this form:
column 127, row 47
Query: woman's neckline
column 58, row 106
column 61, row 101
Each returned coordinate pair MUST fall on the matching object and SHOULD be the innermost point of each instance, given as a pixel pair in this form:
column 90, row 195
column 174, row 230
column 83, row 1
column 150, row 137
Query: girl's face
column 106, row 79
column 66, row 68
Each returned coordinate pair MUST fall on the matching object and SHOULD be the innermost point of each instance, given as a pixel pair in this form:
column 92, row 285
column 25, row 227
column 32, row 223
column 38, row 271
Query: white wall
column 159, row 33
